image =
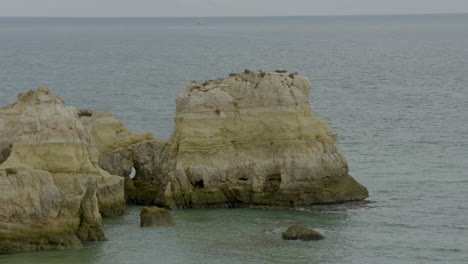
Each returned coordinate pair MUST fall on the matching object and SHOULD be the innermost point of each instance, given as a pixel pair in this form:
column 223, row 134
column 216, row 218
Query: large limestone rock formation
column 247, row 140
column 252, row 139
column 52, row 189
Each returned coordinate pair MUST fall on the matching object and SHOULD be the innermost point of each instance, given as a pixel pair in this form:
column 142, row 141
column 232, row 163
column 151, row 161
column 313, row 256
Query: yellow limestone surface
column 109, row 134
column 53, row 190
column 252, row 139
column 49, row 137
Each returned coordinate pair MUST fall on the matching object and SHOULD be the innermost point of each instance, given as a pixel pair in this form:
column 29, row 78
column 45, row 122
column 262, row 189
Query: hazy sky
column 152, row 8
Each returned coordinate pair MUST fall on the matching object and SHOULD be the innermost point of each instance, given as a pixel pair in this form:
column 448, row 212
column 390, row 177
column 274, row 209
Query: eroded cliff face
column 247, row 140
column 152, row 162
column 52, row 187
column 110, row 137
column 252, row 139
column 43, row 210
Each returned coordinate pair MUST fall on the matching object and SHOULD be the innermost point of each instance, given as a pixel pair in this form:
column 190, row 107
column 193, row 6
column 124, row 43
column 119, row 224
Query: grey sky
column 154, row 8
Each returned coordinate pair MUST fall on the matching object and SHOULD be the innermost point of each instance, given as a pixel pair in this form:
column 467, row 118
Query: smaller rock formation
column 299, row 232
column 155, row 216
column 111, row 142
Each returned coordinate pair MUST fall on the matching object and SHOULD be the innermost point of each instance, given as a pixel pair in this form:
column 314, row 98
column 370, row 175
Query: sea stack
column 247, row 140
column 51, row 188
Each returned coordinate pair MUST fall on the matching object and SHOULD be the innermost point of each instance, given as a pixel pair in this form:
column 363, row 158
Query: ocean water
column 394, row 89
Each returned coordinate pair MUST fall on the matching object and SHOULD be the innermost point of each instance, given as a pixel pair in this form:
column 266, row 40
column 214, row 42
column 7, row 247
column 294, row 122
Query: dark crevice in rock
column 272, row 183
column 11, row 171
column 86, row 113
column 199, row 184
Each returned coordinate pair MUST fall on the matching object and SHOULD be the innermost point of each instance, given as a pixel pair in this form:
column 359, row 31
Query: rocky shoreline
column 249, row 140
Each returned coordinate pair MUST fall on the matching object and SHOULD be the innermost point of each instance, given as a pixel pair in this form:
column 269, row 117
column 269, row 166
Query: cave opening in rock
column 272, row 183
column 199, row 184
column 132, row 173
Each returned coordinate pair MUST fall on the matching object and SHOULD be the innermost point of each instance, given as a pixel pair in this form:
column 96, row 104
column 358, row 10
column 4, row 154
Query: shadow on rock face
column 5, row 153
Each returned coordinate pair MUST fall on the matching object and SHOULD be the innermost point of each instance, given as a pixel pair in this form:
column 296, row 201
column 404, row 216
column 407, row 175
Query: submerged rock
column 155, row 216
column 250, row 139
column 298, row 232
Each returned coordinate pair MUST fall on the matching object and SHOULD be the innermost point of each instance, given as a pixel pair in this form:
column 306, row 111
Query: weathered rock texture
column 111, row 138
column 42, row 210
column 155, row 216
column 248, row 140
column 153, row 163
column 252, row 139
column 298, row 232
column 52, row 189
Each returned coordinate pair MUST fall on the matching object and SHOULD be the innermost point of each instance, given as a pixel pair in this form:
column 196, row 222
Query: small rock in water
column 298, row 232
column 155, row 216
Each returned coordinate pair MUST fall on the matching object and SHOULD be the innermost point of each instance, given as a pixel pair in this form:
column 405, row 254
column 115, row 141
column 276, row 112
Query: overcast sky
column 157, row 8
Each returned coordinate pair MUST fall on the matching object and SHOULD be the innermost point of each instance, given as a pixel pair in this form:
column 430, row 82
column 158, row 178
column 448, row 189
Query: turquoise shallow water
column 394, row 89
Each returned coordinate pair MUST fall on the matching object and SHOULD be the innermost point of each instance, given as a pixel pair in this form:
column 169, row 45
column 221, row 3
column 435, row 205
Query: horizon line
column 259, row 16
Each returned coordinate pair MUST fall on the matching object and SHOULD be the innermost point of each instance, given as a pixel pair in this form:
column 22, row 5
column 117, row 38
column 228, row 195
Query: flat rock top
column 245, row 90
